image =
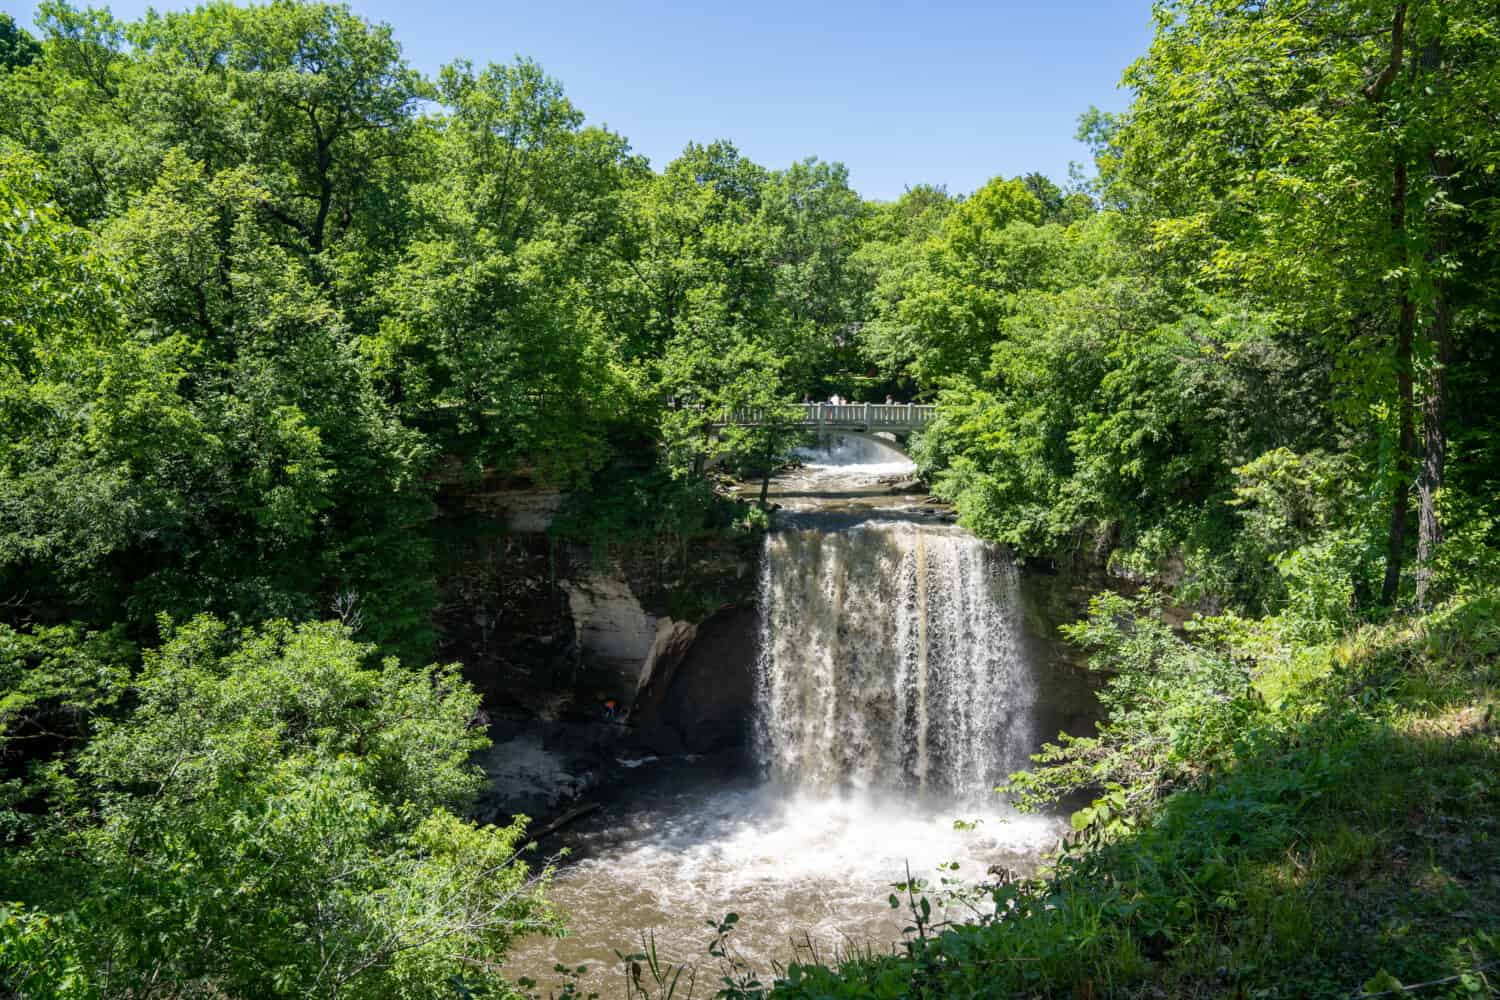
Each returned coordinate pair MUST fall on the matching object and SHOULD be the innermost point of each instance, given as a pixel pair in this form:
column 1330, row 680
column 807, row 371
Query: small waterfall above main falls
column 891, row 658
column 851, row 453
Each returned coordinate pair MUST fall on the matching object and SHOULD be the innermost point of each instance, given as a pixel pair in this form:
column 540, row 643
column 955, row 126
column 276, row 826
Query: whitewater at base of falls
column 894, row 694
column 690, row 841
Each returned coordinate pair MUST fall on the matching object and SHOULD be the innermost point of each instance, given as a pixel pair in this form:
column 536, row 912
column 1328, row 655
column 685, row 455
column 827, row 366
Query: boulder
column 673, row 641
column 707, row 702
column 615, row 634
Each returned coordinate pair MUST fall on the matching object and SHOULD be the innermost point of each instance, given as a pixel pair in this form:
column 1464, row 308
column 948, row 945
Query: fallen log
column 576, row 813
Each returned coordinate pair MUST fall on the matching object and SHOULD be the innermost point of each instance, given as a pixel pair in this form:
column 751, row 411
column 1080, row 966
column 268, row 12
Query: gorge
column 416, row 571
column 899, row 674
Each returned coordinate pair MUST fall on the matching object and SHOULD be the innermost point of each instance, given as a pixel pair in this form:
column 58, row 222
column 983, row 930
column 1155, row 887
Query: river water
column 895, row 690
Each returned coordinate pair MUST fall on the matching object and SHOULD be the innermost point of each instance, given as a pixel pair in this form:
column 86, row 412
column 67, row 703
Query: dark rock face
column 552, row 631
column 503, row 616
column 1051, row 598
column 701, row 698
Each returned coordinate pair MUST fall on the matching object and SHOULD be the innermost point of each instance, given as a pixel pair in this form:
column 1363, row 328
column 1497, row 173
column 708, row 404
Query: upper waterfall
column 891, row 657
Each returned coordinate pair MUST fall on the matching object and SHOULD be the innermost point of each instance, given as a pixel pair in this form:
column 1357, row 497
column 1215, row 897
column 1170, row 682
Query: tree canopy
column 267, row 292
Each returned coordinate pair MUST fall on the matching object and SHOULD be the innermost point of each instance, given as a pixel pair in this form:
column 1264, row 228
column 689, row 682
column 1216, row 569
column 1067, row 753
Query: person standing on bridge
column 888, row 400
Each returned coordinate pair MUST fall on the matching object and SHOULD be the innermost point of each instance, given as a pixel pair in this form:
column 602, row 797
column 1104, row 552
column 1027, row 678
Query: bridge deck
column 850, row 416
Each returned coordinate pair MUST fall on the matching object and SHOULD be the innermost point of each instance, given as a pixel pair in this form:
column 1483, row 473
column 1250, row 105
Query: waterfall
column 890, row 658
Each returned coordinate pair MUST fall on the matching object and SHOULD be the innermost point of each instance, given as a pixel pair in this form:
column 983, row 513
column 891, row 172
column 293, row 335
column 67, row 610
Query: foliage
column 272, row 817
column 264, row 289
column 261, row 293
column 1290, row 191
column 655, row 511
column 195, row 412
column 1109, row 429
column 1173, row 711
column 57, row 682
column 489, row 334
column 17, row 47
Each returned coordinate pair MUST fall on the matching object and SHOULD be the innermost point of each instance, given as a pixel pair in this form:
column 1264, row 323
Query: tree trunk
column 1435, row 401
column 768, row 455
column 1406, row 436
column 1435, row 446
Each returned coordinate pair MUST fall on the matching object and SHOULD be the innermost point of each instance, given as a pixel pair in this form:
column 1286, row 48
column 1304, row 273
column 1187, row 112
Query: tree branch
column 1375, row 89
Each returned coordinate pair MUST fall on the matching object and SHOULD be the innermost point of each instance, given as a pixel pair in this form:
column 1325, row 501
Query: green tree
column 275, row 816
column 891, row 255
column 494, row 334
column 712, row 329
column 17, row 47
column 1323, row 156
column 313, row 99
column 943, row 313
column 820, row 293
column 205, row 434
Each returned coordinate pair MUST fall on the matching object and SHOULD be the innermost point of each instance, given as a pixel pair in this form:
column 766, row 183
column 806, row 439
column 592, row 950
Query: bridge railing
column 895, row 416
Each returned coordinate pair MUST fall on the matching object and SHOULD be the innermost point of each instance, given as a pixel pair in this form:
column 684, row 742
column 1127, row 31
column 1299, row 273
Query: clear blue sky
column 949, row 93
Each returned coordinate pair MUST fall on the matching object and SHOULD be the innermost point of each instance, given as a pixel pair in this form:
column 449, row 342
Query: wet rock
column 540, row 770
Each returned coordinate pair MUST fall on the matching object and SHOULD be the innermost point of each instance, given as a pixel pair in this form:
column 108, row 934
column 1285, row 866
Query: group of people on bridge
column 837, row 400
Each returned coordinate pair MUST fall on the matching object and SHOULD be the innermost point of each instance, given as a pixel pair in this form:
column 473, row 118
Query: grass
column 1350, row 847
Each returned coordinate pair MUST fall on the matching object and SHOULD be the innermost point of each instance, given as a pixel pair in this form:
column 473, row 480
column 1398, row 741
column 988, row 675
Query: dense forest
column 265, row 290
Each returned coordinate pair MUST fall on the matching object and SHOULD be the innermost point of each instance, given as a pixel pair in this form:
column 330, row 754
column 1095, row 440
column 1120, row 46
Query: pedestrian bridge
column 865, row 418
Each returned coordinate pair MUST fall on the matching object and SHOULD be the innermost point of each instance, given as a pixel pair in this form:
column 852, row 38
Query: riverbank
column 1346, row 844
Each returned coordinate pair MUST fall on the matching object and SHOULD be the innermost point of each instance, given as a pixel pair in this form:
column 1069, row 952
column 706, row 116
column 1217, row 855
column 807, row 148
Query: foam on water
column 850, row 455
column 804, row 866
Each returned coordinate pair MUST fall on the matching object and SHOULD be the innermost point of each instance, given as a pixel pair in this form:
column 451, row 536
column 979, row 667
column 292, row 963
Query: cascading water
column 894, row 693
column 891, row 658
